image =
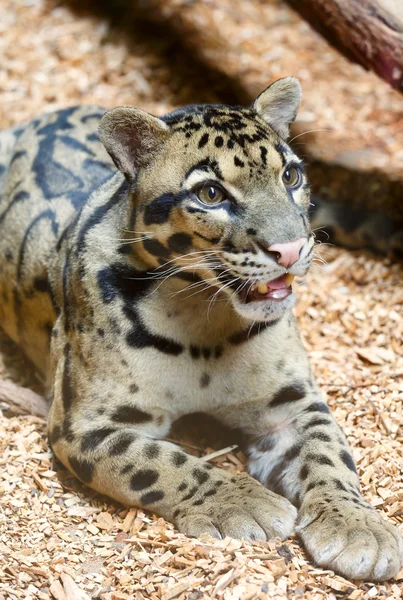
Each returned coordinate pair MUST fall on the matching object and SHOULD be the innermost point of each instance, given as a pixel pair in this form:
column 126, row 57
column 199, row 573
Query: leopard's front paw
column 239, row 508
column 352, row 540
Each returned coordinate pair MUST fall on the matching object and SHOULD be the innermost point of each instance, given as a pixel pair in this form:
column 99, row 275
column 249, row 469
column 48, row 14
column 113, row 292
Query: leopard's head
column 216, row 191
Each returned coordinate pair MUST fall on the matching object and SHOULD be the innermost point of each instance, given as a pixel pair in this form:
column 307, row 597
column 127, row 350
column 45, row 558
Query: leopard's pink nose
column 288, row 253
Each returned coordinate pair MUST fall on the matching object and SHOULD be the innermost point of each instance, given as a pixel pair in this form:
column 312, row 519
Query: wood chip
column 178, row 589
column 71, row 589
column 219, row 452
column 57, row 591
column 371, row 355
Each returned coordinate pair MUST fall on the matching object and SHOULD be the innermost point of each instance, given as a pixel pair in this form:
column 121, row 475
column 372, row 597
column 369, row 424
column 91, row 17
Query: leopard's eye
column 210, row 194
column 292, row 176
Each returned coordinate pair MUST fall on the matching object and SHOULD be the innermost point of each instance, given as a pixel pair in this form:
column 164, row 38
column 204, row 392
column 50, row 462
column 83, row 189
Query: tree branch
column 369, row 32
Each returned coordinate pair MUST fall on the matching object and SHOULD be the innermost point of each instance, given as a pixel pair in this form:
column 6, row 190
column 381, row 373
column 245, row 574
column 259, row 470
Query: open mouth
column 277, row 289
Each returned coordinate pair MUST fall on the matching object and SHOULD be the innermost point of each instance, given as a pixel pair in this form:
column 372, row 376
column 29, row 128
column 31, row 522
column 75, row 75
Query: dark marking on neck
column 247, row 334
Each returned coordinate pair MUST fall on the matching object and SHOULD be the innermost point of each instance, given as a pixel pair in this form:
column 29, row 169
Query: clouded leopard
column 158, row 284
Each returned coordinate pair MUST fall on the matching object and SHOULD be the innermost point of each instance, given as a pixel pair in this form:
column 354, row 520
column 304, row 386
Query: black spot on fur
column 274, row 479
column 100, row 332
column 206, row 353
column 158, row 211
column 251, row 231
column 106, row 283
column 17, row 155
column 207, row 165
column 191, row 493
column 315, row 484
column 151, row 450
column 200, row 476
column 218, row 351
column 203, row 140
column 67, row 388
column 288, row 394
column 194, row 351
column 180, row 242
column 126, row 469
column 282, row 150
column 133, row 388
column 152, row 497
column 143, row 479
column 304, row 473
column 339, row 485
column 318, row 407
column 121, row 444
column 41, row 284
column 68, row 433
column 321, row 459
column 250, row 332
column 219, row 141
column 348, row 460
column 18, row 197
column 182, row 487
column 293, row 452
column 179, row 459
column 84, row 469
column 157, row 249
column 127, row 413
column 204, row 380
column 320, row 435
column 317, row 422
column 125, row 248
column 140, row 337
column 263, row 155
column 93, row 439
column 55, row 435
column 238, row 162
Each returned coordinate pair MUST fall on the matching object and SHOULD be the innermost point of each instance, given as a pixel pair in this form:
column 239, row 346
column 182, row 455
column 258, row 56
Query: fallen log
column 17, row 400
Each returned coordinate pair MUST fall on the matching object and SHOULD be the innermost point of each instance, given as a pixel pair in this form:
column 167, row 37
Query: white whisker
column 306, row 132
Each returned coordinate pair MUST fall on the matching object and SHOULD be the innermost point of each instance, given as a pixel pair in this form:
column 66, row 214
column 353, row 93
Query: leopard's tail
column 356, row 227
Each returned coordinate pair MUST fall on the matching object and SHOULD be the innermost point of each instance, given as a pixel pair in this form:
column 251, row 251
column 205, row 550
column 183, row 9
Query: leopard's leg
column 106, row 437
column 296, row 449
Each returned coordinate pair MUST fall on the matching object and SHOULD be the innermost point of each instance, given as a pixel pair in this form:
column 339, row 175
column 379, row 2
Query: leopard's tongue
column 277, row 289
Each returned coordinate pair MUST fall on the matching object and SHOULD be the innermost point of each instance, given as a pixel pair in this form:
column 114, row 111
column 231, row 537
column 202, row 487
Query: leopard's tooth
column 288, row 278
column 262, row 288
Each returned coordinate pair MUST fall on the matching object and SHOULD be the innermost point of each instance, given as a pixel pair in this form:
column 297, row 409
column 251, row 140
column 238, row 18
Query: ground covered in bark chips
column 60, row 540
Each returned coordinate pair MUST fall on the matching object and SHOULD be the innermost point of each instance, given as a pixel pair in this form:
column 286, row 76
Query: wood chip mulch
column 61, row 541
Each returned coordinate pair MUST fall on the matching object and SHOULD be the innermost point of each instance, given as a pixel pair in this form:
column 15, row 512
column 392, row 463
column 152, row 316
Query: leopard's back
column 48, row 169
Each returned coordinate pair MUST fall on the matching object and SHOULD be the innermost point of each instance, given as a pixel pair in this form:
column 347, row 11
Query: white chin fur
column 264, row 310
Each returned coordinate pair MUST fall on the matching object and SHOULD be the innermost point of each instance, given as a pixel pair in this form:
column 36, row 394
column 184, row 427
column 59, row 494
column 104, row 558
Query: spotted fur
column 126, row 289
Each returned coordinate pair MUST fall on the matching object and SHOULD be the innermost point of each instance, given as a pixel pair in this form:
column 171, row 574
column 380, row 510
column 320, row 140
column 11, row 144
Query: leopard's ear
column 279, row 103
column 131, row 137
